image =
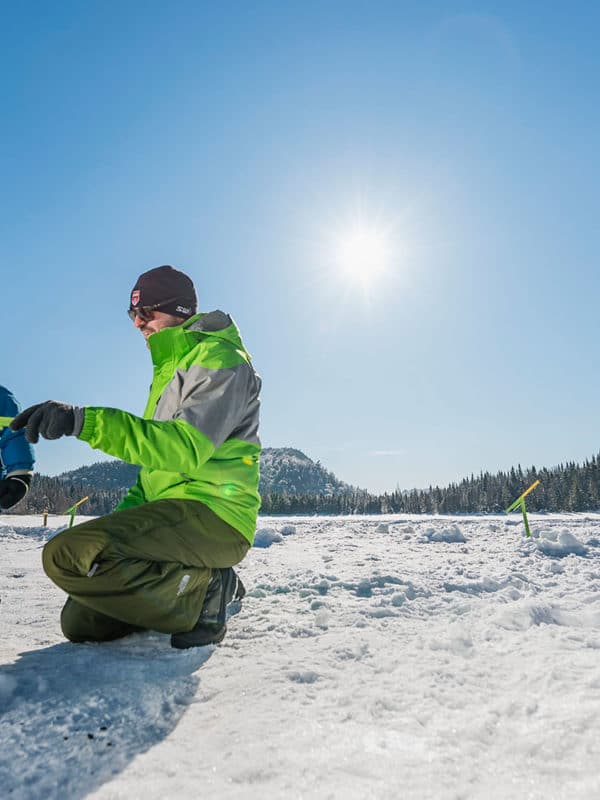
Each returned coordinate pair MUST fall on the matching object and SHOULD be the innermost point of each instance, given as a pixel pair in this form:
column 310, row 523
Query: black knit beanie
column 166, row 286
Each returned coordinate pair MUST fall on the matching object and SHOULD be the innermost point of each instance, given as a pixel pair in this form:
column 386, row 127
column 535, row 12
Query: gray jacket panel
column 220, row 403
column 212, row 321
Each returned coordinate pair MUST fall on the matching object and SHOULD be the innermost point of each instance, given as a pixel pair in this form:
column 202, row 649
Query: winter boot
column 224, row 587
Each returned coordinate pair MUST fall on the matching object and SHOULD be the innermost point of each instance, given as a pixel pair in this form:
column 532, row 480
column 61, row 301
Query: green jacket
column 198, row 438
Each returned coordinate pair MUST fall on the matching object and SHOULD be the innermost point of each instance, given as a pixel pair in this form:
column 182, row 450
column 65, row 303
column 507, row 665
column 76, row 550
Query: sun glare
column 363, row 253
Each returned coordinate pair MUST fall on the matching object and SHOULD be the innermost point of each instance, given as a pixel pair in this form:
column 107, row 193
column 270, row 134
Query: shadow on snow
column 73, row 716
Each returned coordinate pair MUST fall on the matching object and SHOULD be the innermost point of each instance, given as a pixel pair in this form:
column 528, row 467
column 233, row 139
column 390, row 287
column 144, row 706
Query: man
column 16, row 456
column 162, row 560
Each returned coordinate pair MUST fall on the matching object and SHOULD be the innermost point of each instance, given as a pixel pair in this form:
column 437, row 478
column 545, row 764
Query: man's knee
column 57, row 558
column 50, row 561
column 69, row 555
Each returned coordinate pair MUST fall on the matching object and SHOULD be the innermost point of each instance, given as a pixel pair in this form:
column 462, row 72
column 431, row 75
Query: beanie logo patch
column 183, row 310
column 135, row 297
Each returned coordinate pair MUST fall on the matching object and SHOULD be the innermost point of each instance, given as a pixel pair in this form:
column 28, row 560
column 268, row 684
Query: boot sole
column 201, row 637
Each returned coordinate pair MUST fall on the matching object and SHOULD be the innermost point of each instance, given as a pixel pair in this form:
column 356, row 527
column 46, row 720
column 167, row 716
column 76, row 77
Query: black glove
column 51, row 419
column 13, row 489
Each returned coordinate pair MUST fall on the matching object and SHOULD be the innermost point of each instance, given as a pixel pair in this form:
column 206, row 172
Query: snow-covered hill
column 421, row 658
column 102, row 475
column 282, row 469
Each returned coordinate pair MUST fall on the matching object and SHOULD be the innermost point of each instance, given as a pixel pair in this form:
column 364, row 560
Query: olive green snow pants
column 141, row 568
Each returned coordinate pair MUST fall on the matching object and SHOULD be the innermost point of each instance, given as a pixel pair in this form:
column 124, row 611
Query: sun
column 363, row 253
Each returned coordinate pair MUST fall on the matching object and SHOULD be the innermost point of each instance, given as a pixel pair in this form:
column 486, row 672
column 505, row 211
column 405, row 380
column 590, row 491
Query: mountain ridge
column 282, row 469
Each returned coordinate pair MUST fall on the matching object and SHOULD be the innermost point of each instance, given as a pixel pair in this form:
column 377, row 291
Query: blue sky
column 240, row 142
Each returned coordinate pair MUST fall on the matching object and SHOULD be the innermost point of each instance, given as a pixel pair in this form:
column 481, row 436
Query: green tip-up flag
column 520, row 501
column 73, row 510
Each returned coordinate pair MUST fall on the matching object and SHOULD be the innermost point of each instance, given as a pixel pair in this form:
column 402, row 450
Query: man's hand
column 13, row 489
column 51, row 419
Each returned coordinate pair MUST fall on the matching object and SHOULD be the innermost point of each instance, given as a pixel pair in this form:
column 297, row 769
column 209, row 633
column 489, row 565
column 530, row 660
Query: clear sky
column 397, row 202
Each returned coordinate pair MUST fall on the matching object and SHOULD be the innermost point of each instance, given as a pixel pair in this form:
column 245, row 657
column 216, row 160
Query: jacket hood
column 217, row 325
column 210, row 321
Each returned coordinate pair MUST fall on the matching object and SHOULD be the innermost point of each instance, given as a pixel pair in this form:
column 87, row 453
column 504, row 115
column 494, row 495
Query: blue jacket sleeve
column 16, row 454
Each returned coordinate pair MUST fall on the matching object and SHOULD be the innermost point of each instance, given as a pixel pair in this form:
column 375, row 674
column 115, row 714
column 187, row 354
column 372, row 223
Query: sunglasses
column 146, row 313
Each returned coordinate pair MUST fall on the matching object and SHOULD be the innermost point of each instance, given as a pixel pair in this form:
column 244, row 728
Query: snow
column 265, row 537
column 450, row 534
column 373, row 657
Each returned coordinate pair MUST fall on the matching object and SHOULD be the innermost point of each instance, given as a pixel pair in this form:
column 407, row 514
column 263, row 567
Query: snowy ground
column 374, row 657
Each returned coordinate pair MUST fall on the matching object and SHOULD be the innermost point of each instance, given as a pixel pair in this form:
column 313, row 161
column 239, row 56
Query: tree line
column 567, row 487
column 56, row 496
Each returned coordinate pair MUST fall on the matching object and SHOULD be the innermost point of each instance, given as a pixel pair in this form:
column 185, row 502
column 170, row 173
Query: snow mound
column 308, row 676
column 451, row 534
column 51, row 533
column 12, row 532
column 265, row 537
column 525, row 614
column 483, row 586
column 455, row 640
column 288, row 530
column 559, row 544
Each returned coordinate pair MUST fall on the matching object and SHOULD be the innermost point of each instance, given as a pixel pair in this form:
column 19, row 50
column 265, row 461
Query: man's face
column 157, row 323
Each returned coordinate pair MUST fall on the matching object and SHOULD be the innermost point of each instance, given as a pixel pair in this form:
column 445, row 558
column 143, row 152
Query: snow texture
column 413, row 657
column 265, row 537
